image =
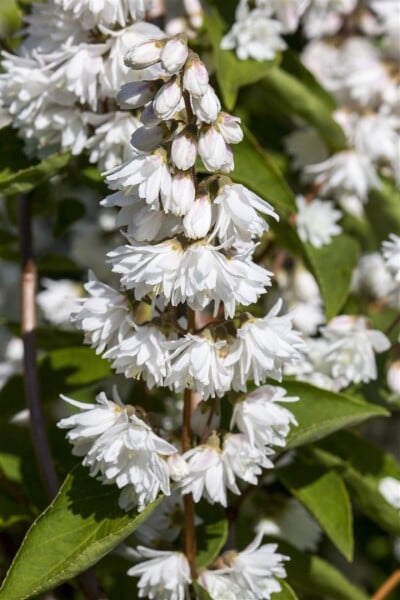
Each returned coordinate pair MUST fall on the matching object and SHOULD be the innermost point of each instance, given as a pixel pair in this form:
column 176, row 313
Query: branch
column 390, row 584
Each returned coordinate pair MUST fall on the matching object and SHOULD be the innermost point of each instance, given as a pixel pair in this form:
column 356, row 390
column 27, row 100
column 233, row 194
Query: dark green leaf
column 55, row 263
column 201, row 593
column 211, row 535
column 324, row 494
column 231, row 72
column 23, row 181
column 382, row 210
column 79, row 527
column 286, row 593
column 320, row 412
column 69, row 210
column 11, row 513
column 363, row 465
column 333, row 266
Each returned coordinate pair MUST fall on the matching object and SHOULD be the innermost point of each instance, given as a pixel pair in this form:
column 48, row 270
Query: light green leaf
column 286, row 593
column 24, row 180
column 287, row 97
column 363, row 465
column 311, row 574
column 211, row 535
column 231, row 72
column 324, row 494
column 333, row 266
column 320, row 412
column 79, row 527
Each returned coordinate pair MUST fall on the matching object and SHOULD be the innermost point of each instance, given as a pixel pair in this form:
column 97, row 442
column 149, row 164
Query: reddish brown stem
column 390, row 584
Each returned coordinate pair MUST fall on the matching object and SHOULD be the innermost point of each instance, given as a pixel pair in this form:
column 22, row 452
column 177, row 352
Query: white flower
column 199, row 362
column 345, row 173
column 325, row 17
column 389, row 487
column 207, row 106
column 83, row 72
column 197, row 221
column 237, row 215
column 110, row 142
column 102, row 316
column 220, row 585
column 163, row 575
column 393, row 378
column 92, row 12
column 242, row 459
column 316, row 221
column 141, row 354
column 256, row 569
column 214, row 151
column 58, row 299
column 177, row 467
column 195, row 77
column 255, row 35
column 184, row 150
column 391, row 254
column 259, row 416
column 263, row 347
column 377, row 137
column 174, row 54
column 168, row 99
column 146, row 173
column 289, row 12
column 206, row 475
column 372, row 276
column 350, row 349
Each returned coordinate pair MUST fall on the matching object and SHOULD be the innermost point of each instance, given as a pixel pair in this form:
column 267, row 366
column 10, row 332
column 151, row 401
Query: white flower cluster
column 189, row 248
column 59, row 88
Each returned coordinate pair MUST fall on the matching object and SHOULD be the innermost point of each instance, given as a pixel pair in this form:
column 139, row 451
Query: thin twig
column 390, row 584
column 393, row 325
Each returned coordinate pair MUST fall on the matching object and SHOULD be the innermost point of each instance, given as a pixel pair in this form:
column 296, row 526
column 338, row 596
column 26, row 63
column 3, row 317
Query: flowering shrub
column 218, row 341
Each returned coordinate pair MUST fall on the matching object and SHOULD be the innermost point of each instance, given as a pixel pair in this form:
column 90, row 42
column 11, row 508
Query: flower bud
column 206, row 107
column 304, row 286
column 195, row 78
column 393, row 378
column 182, row 193
column 149, row 118
column 167, row 99
column 230, row 128
column 135, row 94
column 177, row 467
column 148, row 138
column 184, row 150
column 197, row 221
column 214, row 151
column 174, row 54
column 144, row 54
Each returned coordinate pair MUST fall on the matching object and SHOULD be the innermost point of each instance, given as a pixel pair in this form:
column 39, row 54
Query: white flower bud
column 135, row 94
column 177, row 467
column 206, row 107
column 197, row 221
column 148, row 138
column 184, row 150
column 230, row 128
column 167, row 99
column 144, row 55
column 214, row 151
column 149, row 118
column 195, row 78
column 305, row 287
column 174, row 54
column 182, row 193
column 393, row 378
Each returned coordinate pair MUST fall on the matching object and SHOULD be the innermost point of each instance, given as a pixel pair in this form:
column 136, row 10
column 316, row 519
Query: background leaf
column 211, row 535
column 24, row 180
column 286, row 593
column 79, row 527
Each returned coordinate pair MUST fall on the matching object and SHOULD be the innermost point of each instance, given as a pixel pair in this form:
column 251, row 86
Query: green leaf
column 287, row 97
column 324, row 494
column 256, row 169
column 11, row 513
column 231, row 72
column 79, row 527
column 211, row 534
column 69, row 210
column 312, row 575
column 24, row 180
column 382, row 209
column 333, row 266
column 363, row 465
column 10, row 18
column 286, row 592
column 201, row 593
column 321, row 412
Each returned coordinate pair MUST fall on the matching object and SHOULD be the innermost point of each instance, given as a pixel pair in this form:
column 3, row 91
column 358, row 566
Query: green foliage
column 211, row 534
column 382, row 210
column 333, row 265
column 201, row 593
column 24, row 180
column 232, row 73
column 324, row 494
column 362, row 465
column 321, row 412
column 80, row 526
column 286, row 593
column 11, row 513
column 69, row 210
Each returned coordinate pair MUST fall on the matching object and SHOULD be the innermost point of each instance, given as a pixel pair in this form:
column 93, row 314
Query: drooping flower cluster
column 189, row 246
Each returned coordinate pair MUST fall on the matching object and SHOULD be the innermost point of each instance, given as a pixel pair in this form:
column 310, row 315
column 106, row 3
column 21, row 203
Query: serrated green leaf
column 286, row 592
column 313, row 575
column 363, row 465
column 321, row 412
column 211, row 534
column 287, row 97
column 79, row 527
column 333, row 266
column 24, row 180
column 324, row 495
column 231, row 72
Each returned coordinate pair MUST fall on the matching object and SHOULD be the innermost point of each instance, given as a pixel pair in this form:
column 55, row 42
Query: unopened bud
column 214, row 151
column 197, row 221
column 174, row 54
column 135, row 94
column 230, row 128
column 195, row 78
column 167, row 99
column 207, row 107
column 144, row 54
column 184, row 150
